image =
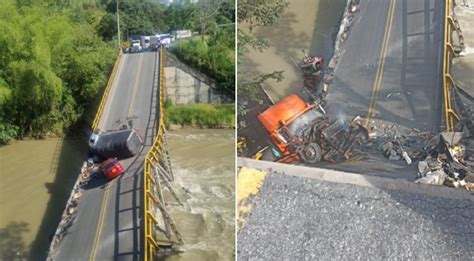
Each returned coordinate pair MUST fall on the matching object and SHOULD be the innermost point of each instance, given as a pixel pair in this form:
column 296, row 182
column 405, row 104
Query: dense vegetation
column 213, row 51
column 200, row 115
column 52, row 64
column 55, row 55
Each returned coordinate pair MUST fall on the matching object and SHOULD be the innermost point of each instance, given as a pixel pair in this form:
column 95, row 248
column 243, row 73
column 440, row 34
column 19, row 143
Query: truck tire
column 310, row 153
column 318, row 67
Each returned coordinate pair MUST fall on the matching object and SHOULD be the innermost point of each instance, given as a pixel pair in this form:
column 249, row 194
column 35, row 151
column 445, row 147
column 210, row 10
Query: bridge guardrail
column 157, row 171
column 106, row 92
column 449, row 52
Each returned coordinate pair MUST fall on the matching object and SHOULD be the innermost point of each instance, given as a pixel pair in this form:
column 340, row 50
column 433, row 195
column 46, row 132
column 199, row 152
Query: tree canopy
column 50, row 68
column 56, row 54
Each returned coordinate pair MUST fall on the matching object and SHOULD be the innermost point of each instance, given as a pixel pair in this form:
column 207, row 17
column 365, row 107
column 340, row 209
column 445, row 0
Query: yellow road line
column 100, row 223
column 135, row 85
column 105, row 200
column 383, row 52
column 249, row 182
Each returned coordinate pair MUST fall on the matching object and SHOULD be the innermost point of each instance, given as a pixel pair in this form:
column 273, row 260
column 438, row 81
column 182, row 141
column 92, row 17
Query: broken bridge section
column 391, row 64
column 109, row 220
column 388, row 69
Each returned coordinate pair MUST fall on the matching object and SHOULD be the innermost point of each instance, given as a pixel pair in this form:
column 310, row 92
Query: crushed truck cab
column 302, row 132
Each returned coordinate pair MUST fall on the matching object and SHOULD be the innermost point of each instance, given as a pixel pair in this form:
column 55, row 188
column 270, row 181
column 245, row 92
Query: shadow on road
column 129, row 191
column 69, row 158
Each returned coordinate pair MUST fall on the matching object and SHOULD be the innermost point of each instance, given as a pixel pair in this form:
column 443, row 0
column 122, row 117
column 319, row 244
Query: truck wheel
column 318, row 67
column 310, row 153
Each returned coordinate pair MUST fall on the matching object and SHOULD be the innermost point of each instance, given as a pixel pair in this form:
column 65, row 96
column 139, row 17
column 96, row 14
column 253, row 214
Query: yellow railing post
column 106, row 92
column 152, row 156
column 450, row 116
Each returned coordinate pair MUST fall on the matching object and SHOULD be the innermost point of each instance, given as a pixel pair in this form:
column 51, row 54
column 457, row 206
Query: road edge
column 336, row 176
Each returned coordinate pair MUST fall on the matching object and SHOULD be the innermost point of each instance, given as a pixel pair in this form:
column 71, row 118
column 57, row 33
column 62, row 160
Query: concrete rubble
column 451, row 164
column 87, row 173
column 443, row 159
column 388, row 140
column 328, row 72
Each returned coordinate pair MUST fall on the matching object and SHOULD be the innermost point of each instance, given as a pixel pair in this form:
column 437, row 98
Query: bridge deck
column 107, row 226
column 391, row 69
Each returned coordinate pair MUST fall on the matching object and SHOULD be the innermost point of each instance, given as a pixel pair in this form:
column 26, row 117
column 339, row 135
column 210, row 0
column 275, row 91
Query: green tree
column 181, row 17
column 52, row 65
column 107, row 27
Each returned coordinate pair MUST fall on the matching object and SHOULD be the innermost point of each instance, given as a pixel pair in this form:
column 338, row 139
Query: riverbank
column 200, row 116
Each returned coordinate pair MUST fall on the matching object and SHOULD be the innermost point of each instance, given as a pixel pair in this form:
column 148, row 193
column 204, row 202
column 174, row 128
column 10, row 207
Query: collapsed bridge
column 125, row 218
column 391, row 65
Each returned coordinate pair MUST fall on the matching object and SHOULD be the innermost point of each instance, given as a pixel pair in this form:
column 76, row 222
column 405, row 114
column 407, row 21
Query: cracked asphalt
column 294, row 218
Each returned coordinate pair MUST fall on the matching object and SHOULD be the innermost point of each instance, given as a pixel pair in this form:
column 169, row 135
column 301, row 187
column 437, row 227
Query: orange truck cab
column 283, row 121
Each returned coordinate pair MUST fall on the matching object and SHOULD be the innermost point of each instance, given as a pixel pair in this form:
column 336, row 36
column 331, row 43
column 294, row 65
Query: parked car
column 112, row 168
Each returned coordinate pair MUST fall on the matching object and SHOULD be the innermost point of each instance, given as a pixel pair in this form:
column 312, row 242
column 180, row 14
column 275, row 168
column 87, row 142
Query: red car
column 112, row 168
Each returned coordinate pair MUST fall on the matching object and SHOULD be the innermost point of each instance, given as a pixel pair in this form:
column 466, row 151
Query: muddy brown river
column 307, row 25
column 203, row 162
column 36, row 177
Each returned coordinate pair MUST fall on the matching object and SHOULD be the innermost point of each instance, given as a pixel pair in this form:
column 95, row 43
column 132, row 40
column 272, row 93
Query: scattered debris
column 392, row 144
column 443, row 159
column 69, row 213
column 450, row 164
column 433, row 178
column 303, row 132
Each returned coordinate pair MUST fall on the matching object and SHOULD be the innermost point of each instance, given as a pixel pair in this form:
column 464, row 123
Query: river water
column 203, row 162
column 309, row 25
column 35, row 182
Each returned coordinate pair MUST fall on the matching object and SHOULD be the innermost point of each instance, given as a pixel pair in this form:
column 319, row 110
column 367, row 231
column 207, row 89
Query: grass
column 200, row 115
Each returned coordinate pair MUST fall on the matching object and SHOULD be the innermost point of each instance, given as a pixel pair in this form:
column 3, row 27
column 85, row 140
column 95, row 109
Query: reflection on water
column 36, row 177
column 203, row 163
column 308, row 25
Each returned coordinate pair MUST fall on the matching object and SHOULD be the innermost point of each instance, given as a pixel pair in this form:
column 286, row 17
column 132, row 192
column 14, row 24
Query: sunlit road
column 390, row 70
column 107, row 225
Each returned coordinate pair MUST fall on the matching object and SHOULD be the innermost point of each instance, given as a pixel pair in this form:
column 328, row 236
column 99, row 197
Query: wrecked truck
column 302, row 132
column 119, row 144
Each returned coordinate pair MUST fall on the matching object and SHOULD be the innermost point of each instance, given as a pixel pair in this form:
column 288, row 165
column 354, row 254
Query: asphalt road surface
column 390, row 71
column 107, row 225
column 295, row 218
column 394, row 49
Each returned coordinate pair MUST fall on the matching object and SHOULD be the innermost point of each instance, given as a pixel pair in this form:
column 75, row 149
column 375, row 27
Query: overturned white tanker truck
column 120, row 144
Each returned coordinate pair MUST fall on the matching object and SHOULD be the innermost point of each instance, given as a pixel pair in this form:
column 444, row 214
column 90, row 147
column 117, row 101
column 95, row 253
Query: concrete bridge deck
column 107, row 225
column 390, row 70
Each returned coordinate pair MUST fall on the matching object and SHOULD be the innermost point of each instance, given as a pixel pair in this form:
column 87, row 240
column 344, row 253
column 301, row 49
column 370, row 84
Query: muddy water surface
column 203, row 163
column 309, row 25
column 36, row 177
